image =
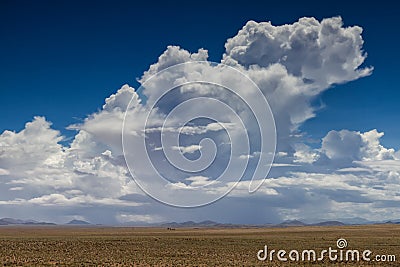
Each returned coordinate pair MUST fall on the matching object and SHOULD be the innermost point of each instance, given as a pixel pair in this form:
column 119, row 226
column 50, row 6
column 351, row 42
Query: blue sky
column 61, row 59
column 69, row 61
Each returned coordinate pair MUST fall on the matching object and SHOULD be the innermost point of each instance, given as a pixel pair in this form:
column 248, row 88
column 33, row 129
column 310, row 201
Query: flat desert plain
column 127, row 246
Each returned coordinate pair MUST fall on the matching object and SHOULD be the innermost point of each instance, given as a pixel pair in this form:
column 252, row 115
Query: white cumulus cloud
column 291, row 64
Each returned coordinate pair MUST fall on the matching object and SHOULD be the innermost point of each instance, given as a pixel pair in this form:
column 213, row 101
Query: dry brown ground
column 102, row 246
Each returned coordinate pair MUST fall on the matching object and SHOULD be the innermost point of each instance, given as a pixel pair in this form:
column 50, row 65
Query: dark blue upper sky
column 61, row 59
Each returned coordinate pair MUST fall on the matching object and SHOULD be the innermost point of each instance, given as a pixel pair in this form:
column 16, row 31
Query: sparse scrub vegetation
column 101, row 246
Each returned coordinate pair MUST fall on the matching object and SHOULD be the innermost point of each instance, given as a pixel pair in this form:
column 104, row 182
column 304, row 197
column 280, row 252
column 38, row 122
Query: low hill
column 78, row 222
column 11, row 221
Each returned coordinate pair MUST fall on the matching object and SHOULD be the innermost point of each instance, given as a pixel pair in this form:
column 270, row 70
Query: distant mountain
column 199, row 224
column 329, row 223
column 290, row 223
column 211, row 224
column 300, row 223
column 11, row 221
column 7, row 221
column 392, row 222
column 78, row 222
column 185, row 224
column 356, row 220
